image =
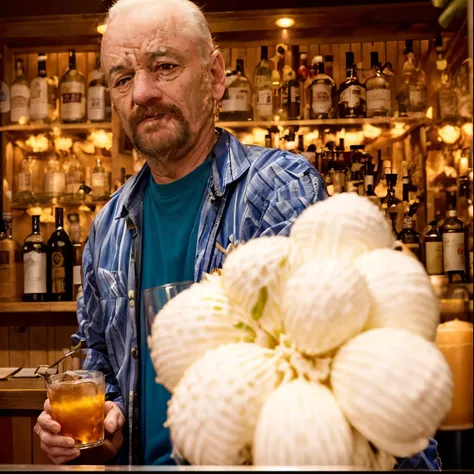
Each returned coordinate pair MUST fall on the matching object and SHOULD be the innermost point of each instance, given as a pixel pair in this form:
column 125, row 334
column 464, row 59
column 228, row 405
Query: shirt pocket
column 111, row 284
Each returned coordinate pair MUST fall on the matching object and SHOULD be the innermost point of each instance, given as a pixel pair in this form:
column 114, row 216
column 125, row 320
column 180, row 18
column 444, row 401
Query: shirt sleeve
column 426, row 459
column 92, row 327
column 294, row 185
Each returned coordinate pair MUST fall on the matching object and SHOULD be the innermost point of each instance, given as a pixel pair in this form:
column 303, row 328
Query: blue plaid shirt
column 252, row 192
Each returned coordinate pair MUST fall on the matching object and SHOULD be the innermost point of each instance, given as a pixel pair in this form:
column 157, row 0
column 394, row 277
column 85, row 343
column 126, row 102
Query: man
column 200, row 187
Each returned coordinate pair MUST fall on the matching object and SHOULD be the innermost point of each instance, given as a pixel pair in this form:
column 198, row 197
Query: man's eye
column 122, row 82
column 166, row 67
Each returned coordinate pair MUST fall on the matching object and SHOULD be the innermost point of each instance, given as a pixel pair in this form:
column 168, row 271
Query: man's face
column 158, row 85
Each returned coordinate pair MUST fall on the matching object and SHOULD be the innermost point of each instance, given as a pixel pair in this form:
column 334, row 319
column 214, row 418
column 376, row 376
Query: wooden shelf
column 61, row 126
column 323, row 122
column 46, row 307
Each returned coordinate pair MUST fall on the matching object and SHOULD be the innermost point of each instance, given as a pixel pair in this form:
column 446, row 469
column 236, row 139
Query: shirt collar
column 230, row 162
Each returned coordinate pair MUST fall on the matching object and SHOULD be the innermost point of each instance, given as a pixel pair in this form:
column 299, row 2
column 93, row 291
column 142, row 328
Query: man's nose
column 145, row 88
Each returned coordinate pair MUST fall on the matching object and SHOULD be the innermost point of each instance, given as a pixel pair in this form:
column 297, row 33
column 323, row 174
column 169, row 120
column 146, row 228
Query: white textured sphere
column 194, row 321
column 214, row 409
column 402, row 294
column 253, row 275
column 394, row 387
column 325, row 303
column 302, row 425
column 344, row 226
column 365, row 456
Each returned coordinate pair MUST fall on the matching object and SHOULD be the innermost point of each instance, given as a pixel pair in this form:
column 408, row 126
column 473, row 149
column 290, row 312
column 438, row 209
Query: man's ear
column 217, row 70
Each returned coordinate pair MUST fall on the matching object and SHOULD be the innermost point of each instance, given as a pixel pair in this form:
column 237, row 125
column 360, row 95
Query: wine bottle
column 60, row 263
column 34, row 261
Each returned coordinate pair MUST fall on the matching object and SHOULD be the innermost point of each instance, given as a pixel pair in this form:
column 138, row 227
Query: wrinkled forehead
column 138, row 35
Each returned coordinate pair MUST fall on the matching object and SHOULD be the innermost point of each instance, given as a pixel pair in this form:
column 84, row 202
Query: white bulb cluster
column 315, row 349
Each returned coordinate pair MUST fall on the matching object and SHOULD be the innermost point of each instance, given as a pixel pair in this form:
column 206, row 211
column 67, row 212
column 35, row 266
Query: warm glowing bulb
column 429, row 113
column 342, row 133
column 370, row 131
column 467, row 129
column 398, row 129
column 449, row 134
column 38, row 143
column 101, row 28
column 285, row 22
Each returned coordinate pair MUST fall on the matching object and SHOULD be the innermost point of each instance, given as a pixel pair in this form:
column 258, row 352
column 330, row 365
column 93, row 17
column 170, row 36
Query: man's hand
column 60, row 449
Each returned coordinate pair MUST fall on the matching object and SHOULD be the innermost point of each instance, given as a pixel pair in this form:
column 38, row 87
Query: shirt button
column 135, row 353
column 132, row 303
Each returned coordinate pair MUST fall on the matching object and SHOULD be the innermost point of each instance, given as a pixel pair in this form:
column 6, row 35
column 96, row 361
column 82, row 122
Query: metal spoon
column 43, row 369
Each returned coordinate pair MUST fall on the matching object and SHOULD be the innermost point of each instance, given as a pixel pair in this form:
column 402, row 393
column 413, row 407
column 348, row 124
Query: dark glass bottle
column 352, row 94
column 34, row 262
column 434, row 250
column 410, row 237
column 454, row 243
column 60, row 262
column 293, row 106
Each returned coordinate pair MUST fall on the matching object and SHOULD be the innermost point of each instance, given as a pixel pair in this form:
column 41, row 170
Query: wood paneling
column 21, row 435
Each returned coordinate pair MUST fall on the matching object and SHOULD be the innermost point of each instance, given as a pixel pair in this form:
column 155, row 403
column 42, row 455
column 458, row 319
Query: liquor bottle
column 328, row 65
column 20, row 97
column 77, row 249
column 371, row 194
column 307, row 89
column 25, row 176
column 4, row 101
column 277, row 82
column 11, row 268
column 72, row 93
column 263, row 86
column 378, row 90
column 55, row 177
column 291, row 94
column 454, row 243
column 323, row 93
column 391, row 205
column 446, row 94
column 34, row 262
column 302, row 76
column 96, row 94
column 237, row 99
column 39, row 104
column 434, row 250
column 98, row 180
column 74, row 175
column 59, row 262
column 352, row 94
column 410, row 237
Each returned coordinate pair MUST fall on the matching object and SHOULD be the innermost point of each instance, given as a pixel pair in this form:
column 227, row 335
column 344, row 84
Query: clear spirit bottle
column 74, row 175
column 378, row 90
column 55, row 177
column 39, row 102
column 20, row 96
column 98, row 180
column 72, row 93
column 237, row 99
column 25, row 176
column 323, row 93
column 446, row 95
column 11, row 268
column 96, row 94
column 263, row 88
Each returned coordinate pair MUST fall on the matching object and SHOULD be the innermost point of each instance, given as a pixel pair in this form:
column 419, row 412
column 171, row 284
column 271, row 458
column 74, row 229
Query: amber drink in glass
column 77, row 403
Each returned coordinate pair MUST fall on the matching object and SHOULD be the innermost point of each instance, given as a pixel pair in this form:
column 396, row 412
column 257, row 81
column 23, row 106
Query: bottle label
column 24, row 182
column 35, row 272
column 353, row 95
column 264, row 103
column 295, row 94
column 447, row 103
column 417, row 98
column 4, row 98
column 72, row 101
column 73, row 188
column 39, row 105
column 284, row 95
column 20, row 99
column 378, row 99
column 55, row 183
column 7, row 274
column 453, row 252
column 76, row 275
column 237, row 100
column 96, row 103
column 58, row 273
column 434, row 258
column 321, row 101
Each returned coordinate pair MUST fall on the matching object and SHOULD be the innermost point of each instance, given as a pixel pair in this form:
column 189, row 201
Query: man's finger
column 54, row 440
column 114, row 417
column 47, row 423
column 60, row 452
column 47, row 406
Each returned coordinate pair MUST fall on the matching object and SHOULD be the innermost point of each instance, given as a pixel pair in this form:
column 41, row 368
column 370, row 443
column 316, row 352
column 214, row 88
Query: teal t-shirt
column 171, row 215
